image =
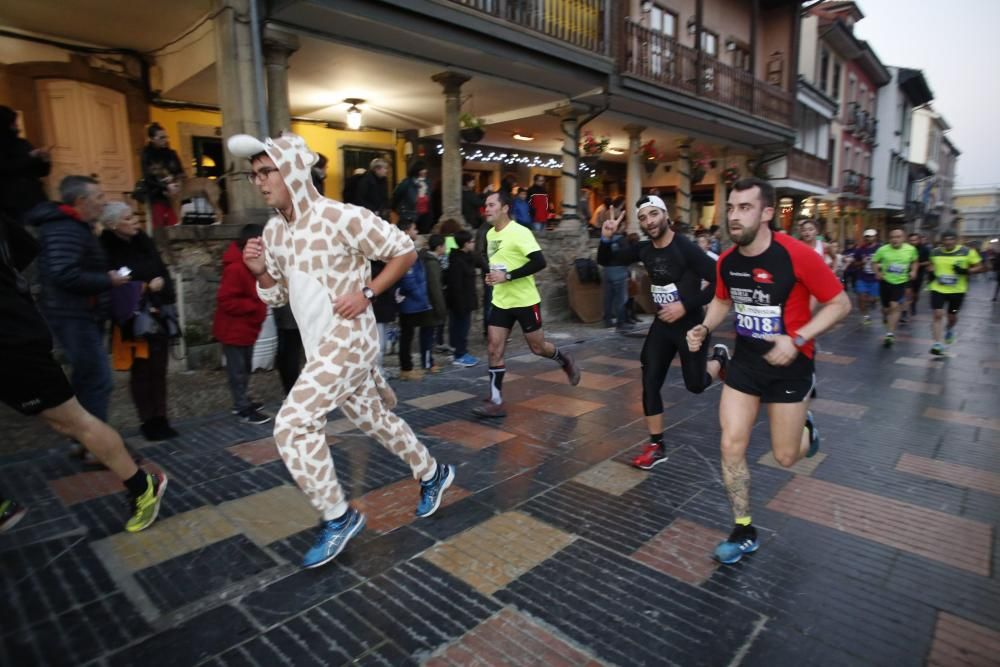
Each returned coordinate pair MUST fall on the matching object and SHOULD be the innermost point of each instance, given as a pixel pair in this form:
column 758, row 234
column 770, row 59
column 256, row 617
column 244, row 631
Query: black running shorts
column 889, row 292
column 31, row 380
column 953, row 302
column 529, row 317
column 770, row 388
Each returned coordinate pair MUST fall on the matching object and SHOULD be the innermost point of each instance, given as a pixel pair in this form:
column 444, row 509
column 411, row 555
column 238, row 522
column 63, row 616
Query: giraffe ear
column 243, row 145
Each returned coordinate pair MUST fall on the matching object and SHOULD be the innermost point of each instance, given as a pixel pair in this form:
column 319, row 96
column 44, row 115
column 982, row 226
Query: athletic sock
column 137, row 483
column 558, row 357
column 429, row 476
column 496, row 383
column 742, row 520
column 656, row 438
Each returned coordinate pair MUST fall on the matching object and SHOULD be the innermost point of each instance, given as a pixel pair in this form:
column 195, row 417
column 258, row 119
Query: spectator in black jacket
column 471, row 203
column 76, row 285
column 461, row 279
column 373, row 189
column 34, row 384
column 162, row 174
column 145, row 356
column 385, row 307
column 22, row 167
column 616, row 259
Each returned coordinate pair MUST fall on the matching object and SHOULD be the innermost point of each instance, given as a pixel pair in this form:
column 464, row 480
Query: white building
column 978, row 209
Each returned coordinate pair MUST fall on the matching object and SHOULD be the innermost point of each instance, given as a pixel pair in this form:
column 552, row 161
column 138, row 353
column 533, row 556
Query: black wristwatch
column 799, row 341
column 368, row 292
column 507, row 277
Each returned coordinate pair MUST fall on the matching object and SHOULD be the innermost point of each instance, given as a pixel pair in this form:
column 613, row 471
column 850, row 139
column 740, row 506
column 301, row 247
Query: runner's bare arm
column 716, row 313
column 832, row 312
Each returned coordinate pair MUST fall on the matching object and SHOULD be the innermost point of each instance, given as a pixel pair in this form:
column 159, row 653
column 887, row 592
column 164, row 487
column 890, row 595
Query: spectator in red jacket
column 239, row 315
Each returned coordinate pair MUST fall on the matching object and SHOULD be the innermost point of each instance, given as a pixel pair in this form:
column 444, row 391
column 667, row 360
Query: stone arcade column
column 682, row 203
column 569, row 115
column 237, row 100
column 633, row 177
column 278, row 46
column 451, row 161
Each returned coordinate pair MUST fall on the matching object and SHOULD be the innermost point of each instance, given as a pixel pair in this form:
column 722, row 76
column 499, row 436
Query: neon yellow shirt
column 943, row 263
column 895, row 263
column 509, row 250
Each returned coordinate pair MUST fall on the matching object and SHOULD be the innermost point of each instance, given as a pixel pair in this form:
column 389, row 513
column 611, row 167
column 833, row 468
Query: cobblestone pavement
column 550, row 549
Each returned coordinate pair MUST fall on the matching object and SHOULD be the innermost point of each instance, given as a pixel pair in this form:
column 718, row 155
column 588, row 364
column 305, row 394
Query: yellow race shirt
column 508, row 250
column 943, row 263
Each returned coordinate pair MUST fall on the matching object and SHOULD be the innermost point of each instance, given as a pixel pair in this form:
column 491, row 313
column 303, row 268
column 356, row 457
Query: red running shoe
column 653, row 455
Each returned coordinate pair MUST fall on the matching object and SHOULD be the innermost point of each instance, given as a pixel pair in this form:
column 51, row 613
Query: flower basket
column 650, row 167
column 697, row 173
column 472, row 135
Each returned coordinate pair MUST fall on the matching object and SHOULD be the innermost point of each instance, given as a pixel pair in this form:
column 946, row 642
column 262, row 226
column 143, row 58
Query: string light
column 516, row 158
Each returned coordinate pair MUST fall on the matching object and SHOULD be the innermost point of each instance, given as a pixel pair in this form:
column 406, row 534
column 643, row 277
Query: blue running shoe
column 937, row 349
column 743, row 540
column 333, row 537
column 431, row 491
column 813, row 435
column 949, row 336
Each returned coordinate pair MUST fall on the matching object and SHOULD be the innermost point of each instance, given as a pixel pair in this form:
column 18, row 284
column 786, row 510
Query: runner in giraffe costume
column 314, row 255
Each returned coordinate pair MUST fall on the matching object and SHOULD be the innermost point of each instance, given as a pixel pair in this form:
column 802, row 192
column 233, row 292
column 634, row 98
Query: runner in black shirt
column 770, row 277
column 677, row 268
column 923, row 261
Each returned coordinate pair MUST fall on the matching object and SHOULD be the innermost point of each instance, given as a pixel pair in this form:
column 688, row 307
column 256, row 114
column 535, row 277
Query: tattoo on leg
column 736, row 477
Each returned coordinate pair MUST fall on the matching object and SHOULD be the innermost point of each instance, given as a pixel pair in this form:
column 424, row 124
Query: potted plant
column 591, row 148
column 650, row 155
column 730, row 175
column 701, row 162
column 471, row 128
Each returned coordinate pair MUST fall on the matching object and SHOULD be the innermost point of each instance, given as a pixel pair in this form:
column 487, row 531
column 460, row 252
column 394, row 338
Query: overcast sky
column 956, row 44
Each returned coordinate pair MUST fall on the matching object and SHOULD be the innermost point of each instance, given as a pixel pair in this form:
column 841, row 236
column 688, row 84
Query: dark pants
column 238, row 361
column 664, row 342
column 487, row 306
column 407, row 328
column 148, row 380
column 458, row 331
column 83, row 343
column 615, row 288
column 290, row 357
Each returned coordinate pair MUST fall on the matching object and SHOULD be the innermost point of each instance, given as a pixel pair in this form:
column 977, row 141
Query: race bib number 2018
column 664, row 294
column 758, row 321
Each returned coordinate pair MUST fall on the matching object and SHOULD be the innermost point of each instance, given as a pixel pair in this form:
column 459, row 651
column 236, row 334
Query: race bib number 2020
column 758, row 321
column 664, row 294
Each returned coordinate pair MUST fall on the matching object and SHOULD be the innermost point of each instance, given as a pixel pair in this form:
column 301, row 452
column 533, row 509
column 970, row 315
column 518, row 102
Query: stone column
column 278, row 45
column 451, row 161
column 721, row 194
column 633, row 175
column 570, row 183
column 237, row 98
column 682, row 203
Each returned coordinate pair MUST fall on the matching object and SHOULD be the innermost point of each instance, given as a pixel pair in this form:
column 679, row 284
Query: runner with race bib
column 770, row 279
column 677, row 268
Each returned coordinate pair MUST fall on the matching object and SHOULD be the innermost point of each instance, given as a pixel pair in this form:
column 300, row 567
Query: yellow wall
column 972, row 201
column 319, row 138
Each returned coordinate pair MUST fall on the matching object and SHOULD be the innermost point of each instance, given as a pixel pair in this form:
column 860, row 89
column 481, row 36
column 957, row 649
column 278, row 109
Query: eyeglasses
column 262, row 174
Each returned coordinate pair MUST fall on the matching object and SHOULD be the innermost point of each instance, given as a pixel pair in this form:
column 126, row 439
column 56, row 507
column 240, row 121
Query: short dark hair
column 449, row 226
column 153, row 130
column 462, row 237
column 949, row 233
column 503, row 197
column 766, row 189
column 713, row 229
column 248, row 232
column 808, row 221
column 416, row 168
column 435, row 241
column 404, row 224
column 72, row 188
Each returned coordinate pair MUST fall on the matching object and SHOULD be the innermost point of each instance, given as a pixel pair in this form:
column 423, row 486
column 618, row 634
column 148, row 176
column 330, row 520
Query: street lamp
column 353, row 113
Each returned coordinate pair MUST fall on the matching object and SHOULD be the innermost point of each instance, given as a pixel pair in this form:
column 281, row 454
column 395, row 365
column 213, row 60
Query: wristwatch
column 507, row 277
column 368, row 292
column 799, row 341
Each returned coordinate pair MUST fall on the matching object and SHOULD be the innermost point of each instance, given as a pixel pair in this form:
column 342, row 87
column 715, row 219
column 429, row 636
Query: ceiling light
column 616, row 151
column 353, row 113
column 523, row 137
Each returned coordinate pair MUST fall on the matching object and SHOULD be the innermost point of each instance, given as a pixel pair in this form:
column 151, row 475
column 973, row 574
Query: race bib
column 758, row 321
column 897, row 268
column 664, row 294
column 868, row 264
column 948, row 280
column 498, row 267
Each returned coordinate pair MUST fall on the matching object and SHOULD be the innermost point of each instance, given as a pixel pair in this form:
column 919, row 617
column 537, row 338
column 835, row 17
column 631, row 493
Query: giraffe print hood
column 292, row 157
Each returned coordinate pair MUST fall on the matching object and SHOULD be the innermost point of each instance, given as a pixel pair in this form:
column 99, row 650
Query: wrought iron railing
column 659, row 58
column 806, row 167
column 581, row 23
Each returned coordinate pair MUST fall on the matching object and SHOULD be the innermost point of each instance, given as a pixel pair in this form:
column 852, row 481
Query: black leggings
column 663, row 342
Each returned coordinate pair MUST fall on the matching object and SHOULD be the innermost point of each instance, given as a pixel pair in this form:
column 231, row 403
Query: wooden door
column 87, row 127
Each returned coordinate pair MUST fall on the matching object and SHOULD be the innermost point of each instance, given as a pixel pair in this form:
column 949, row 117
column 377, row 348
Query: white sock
column 429, row 476
column 336, row 511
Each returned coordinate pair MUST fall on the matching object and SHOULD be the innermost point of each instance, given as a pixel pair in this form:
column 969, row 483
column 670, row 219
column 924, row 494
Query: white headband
column 654, row 201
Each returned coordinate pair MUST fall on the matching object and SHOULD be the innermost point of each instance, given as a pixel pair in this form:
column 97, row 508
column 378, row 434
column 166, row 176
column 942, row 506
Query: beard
column 657, row 231
column 747, row 236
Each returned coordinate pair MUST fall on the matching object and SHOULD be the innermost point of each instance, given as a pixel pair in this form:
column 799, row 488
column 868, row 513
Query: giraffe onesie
column 319, row 256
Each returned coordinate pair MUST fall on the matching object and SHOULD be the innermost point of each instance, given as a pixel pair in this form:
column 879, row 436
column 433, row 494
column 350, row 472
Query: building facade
column 933, row 160
column 978, row 212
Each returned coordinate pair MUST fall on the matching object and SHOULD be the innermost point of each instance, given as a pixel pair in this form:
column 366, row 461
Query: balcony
column 856, row 183
column 809, row 168
column 582, row 23
column 860, row 123
column 660, row 59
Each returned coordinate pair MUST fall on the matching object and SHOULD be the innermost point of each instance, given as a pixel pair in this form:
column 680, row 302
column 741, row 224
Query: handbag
column 163, row 323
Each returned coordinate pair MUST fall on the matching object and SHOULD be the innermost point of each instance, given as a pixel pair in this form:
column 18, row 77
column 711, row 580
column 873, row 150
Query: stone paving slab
column 549, row 549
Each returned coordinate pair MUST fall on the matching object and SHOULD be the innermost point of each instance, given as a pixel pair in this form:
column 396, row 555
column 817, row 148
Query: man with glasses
column 315, row 255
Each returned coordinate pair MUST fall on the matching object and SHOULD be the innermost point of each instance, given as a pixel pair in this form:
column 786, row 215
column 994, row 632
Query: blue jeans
column 83, row 343
column 615, row 288
column 458, row 331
